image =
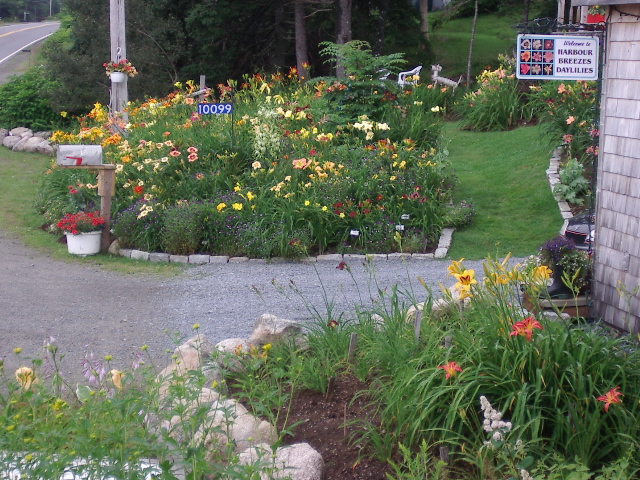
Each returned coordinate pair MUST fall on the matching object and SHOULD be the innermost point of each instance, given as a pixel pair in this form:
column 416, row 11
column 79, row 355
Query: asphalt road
column 18, row 37
column 86, row 308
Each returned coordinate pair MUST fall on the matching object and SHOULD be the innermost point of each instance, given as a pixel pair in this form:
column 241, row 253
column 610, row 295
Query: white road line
column 23, row 47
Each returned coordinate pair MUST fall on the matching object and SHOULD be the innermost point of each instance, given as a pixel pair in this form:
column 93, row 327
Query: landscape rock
column 43, row 134
column 20, row 131
column 20, row 146
column 114, row 248
column 229, row 421
column 297, row 462
column 194, row 353
column 45, row 148
column 10, row 141
column 31, row 145
column 3, row 133
column 229, row 350
column 269, row 328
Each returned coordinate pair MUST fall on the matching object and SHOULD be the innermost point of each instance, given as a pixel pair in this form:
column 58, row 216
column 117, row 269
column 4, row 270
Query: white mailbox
column 76, row 155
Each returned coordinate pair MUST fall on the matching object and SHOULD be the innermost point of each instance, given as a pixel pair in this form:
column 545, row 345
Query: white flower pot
column 117, row 77
column 84, row 243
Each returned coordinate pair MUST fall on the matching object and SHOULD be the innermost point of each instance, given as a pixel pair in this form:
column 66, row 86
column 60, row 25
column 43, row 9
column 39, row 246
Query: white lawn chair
column 402, row 76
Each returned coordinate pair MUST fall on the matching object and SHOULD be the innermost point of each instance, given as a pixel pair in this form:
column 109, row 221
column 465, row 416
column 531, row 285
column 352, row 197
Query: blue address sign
column 214, row 108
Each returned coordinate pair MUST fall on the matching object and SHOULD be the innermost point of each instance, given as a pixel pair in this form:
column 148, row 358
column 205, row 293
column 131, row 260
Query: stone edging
column 441, row 252
column 554, row 178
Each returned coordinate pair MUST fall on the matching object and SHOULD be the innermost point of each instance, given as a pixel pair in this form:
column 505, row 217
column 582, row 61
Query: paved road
column 18, row 37
column 115, row 314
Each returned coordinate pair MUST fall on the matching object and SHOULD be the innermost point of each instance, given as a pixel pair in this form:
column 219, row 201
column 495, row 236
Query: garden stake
column 417, row 322
column 352, row 347
column 330, row 387
column 447, row 342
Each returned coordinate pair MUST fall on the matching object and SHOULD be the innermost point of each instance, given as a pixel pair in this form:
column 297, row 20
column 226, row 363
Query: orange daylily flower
column 525, row 328
column 451, row 368
column 612, row 396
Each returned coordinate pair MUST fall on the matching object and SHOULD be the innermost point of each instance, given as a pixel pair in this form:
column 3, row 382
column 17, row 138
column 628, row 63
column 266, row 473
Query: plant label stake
column 417, row 322
column 352, row 347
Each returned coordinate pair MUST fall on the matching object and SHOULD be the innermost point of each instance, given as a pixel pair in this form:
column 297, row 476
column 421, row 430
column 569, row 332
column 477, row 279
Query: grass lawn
column 494, row 35
column 503, row 174
column 20, row 176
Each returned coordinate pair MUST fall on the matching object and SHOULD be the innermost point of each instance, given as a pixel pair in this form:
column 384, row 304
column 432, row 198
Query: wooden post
column 561, row 5
column 106, row 189
column 202, row 87
column 119, row 91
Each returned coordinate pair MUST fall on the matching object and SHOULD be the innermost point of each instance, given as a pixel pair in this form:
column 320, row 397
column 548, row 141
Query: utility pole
column 119, row 91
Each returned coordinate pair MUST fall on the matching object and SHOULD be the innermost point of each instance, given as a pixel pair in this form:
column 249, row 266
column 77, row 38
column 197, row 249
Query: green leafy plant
column 23, row 101
column 573, row 187
column 496, row 104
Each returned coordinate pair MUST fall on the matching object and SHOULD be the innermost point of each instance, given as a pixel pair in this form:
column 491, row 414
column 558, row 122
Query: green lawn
column 494, row 35
column 503, row 174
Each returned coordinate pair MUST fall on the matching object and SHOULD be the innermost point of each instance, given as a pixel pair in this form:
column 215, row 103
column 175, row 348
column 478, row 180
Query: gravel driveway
column 115, row 314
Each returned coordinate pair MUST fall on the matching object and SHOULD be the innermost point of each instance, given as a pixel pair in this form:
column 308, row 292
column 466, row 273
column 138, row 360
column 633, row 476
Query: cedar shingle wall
column 618, row 198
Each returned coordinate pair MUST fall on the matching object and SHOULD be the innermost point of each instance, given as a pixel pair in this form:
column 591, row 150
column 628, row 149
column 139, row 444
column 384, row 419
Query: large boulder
column 297, row 462
column 228, row 423
column 20, row 132
column 269, row 328
column 30, row 145
column 45, row 148
column 10, row 141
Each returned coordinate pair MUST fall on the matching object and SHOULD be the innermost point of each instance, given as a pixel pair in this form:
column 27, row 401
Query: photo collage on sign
column 536, row 56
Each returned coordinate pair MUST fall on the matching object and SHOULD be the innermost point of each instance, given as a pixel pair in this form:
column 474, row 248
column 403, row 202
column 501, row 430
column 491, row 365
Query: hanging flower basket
column 117, row 77
column 123, row 67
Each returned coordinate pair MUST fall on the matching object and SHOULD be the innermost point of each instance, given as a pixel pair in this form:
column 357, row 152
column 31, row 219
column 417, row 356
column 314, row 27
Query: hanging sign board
column 77, row 155
column 557, row 57
column 214, row 108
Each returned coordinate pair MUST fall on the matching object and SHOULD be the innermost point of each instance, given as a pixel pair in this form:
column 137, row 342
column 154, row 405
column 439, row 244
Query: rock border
column 554, row 178
column 198, row 259
column 22, row 139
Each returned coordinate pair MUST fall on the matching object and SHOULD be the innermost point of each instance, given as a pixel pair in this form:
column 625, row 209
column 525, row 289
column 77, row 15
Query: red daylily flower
column 451, row 368
column 612, row 396
column 525, row 328
column 332, row 324
column 342, row 266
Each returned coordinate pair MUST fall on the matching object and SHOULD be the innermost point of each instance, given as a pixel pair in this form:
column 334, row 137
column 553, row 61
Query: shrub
column 182, row 232
column 23, row 101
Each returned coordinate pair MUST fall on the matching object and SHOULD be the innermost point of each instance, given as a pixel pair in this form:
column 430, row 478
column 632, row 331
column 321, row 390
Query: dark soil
column 326, row 426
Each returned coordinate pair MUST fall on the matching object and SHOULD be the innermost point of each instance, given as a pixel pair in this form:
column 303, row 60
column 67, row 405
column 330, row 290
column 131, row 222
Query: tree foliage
column 171, row 41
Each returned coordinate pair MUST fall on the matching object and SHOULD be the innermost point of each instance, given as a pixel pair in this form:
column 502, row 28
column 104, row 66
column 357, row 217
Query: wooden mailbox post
column 89, row 157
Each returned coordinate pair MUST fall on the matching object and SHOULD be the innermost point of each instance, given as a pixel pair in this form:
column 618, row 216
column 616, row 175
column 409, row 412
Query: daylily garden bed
column 330, row 166
column 482, row 389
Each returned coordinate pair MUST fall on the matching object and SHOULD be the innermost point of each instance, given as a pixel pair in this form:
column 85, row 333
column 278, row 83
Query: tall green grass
column 503, row 174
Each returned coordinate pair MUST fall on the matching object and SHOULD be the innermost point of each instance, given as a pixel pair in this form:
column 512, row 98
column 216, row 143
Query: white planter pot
column 117, row 77
column 84, row 243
